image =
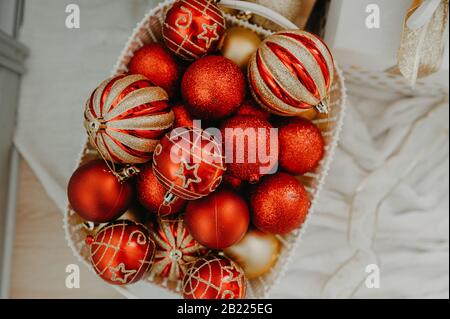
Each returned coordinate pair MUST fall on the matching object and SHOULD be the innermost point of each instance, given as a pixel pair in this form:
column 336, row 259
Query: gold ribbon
column 422, row 43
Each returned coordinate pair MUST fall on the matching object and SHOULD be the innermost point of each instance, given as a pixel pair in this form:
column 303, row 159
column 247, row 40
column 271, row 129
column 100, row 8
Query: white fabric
column 386, row 199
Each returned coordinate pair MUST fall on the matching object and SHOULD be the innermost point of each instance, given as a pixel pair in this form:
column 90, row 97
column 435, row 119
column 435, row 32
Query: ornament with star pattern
column 121, row 252
column 193, row 28
column 214, row 277
column 189, row 164
column 176, row 249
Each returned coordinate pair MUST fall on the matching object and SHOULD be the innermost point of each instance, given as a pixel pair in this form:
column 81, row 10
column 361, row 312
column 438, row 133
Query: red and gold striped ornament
column 125, row 117
column 193, row 28
column 176, row 249
column 121, row 252
column 291, row 72
column 189, row 164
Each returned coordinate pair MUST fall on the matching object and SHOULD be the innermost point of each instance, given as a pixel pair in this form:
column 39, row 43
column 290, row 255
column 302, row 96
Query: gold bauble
column 238, row 44
column 256, row 253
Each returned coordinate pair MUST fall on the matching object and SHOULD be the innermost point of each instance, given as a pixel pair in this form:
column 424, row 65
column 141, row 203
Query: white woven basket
column 149, row 31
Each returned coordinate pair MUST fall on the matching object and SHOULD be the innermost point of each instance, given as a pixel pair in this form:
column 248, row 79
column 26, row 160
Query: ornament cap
column 322, row 108
column 169, row 198
column 96, row 125
column 127, row 172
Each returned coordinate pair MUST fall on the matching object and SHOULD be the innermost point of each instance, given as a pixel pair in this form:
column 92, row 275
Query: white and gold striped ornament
column 291, row 72
column 125, row 117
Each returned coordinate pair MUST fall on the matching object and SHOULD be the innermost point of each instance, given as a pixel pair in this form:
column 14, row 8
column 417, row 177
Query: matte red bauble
column 150, row 193
column 122, row 252
column 125, row 117
column 189, row 163
column 291, row 72
column 219, row 220
column 214, row 277
column 96, row 194
column 213, row 88
column 301, row 146
column 249, row 107
column 193, row 28
column 156, row 63
column 182, row 116
column 279, row 204
column 245, row 138
column 176, row 249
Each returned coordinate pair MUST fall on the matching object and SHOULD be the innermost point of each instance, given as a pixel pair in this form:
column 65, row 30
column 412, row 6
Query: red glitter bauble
column 193, row 28
column 156, row 63
column 241, row 145
column 125, row 117
column 301, row 146
column 150, row 193
column 96, row 194
column 219, row 220
column 182, row 116
column 213, row 88
column 176, row 249
column 189, row 163
column 122, row 252
column 214, row 277
column 279, row 204
column 249, row 107
column 291, row 72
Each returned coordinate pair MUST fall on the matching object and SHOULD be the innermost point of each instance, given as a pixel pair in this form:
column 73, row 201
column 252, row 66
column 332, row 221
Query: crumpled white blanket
column 386, row 200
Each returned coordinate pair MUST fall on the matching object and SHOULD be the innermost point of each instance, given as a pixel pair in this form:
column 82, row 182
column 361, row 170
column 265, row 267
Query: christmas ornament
column 176, row 249
column 150, row 193
column 193, row 28
column 189, row 163
column 244, row 139
column 279, row 204
column 292, row 71
column 125, row 117
column 213, row 88
column 96, row 194
column 157, row 64
column 219, row 220
column 121, row 252
column 214, row 277
column 182, row 116
column 256, row 253
column 238, row 44
column 301, row 146
column 249, row 107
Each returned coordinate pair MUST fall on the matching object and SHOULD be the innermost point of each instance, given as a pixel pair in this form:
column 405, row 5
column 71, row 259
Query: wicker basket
column 148, row 31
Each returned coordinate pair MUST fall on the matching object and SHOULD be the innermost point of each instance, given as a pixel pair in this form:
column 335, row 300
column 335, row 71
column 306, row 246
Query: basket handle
column 259, row 10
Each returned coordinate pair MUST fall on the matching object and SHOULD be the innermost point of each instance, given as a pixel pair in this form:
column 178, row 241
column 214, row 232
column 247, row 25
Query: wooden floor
column 40, row 254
